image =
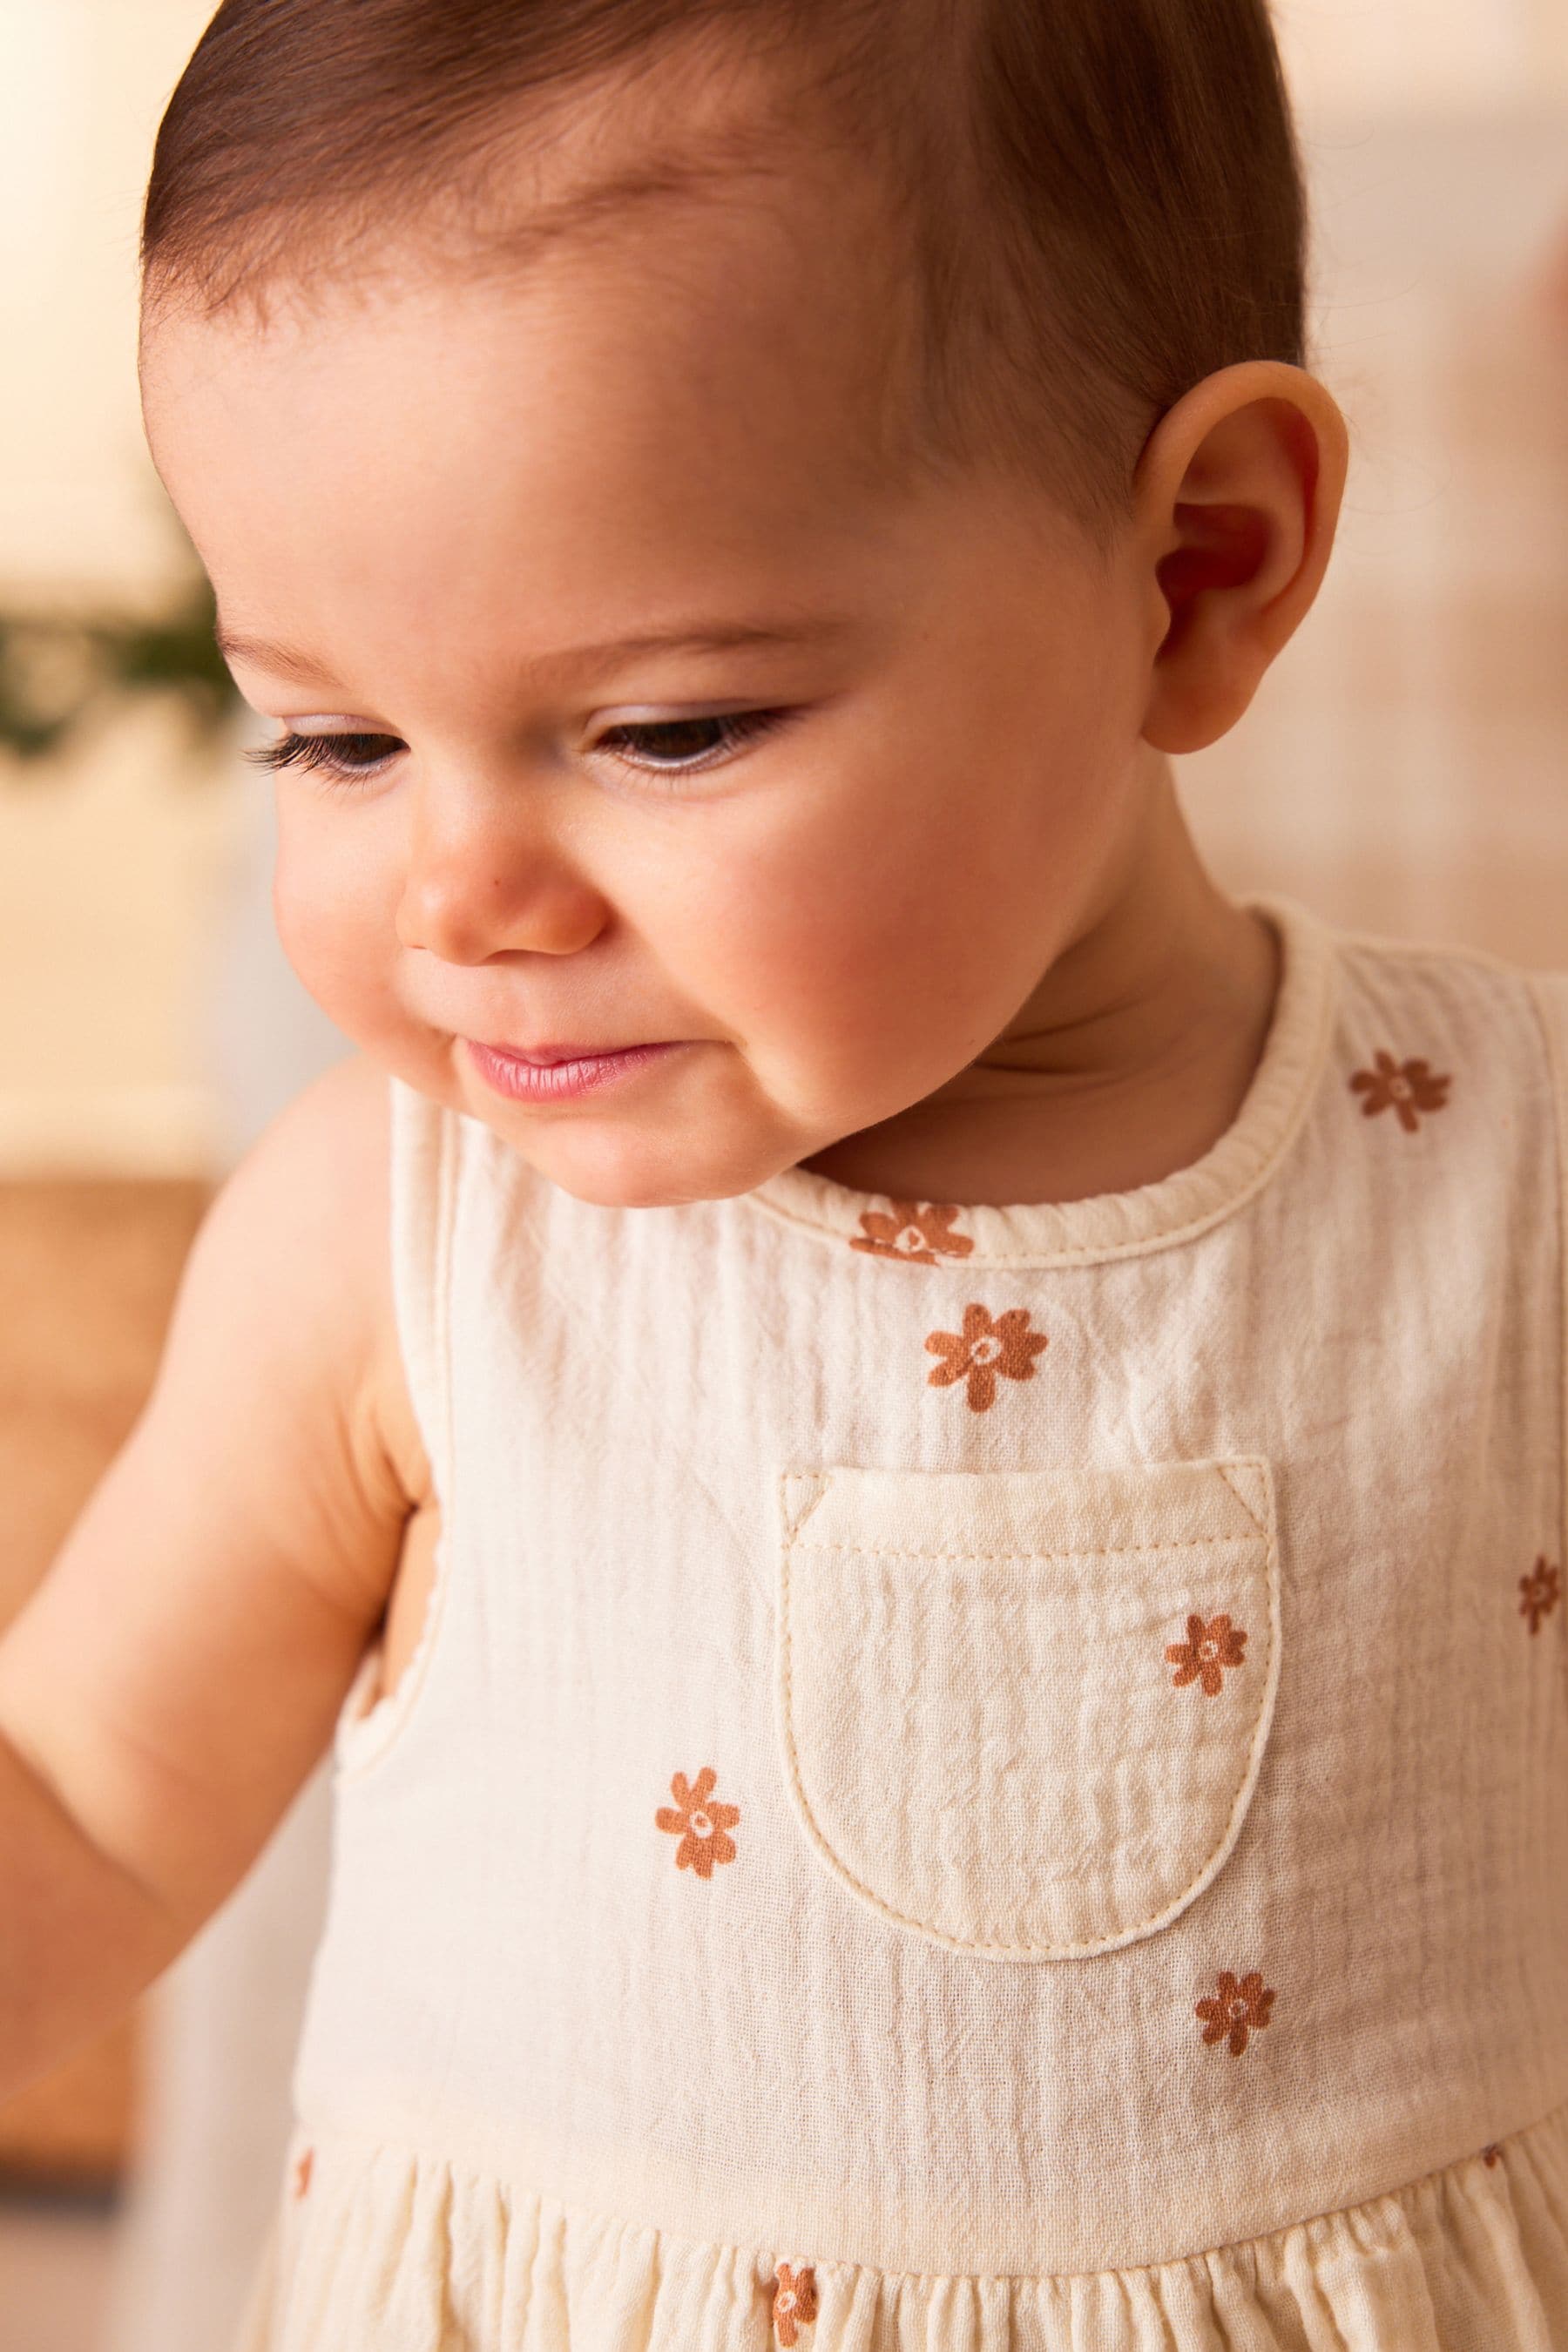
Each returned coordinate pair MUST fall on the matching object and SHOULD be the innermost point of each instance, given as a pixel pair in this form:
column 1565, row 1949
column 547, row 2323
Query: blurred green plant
column 58, row 675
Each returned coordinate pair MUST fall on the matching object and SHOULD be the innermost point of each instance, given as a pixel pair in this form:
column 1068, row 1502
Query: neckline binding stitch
column 1174, row 1209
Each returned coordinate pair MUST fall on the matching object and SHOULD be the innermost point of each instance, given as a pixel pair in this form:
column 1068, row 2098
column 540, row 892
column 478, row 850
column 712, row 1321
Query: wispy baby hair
column 1101, row 200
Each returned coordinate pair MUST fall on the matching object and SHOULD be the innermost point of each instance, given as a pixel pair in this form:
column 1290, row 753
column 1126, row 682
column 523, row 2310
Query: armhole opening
column 1551, row 992
column 423, row 1200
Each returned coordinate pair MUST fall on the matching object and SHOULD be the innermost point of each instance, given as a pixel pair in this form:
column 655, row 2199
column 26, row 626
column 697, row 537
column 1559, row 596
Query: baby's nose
column 476, row 885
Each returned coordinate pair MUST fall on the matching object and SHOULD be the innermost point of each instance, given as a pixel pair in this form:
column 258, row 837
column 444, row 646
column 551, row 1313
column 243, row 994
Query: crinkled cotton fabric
column 986, row 1777
column 398, row 2249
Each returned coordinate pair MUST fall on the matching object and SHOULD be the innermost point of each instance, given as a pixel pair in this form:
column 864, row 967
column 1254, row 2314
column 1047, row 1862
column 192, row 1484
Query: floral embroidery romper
column 986, row 1779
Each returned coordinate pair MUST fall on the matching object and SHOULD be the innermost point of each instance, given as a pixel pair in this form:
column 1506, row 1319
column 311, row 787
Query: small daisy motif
column 701, row 1825
column 1539, row 1592
column 302, row 2172
column 917, row 1233
column 1237, row 2008
column 1205, row 1654
column 1408, row 1089
column 985, row 1348
column 794, row 2302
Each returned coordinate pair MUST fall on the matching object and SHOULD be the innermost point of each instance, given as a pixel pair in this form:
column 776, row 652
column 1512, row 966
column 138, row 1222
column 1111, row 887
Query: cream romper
column 979, row 1779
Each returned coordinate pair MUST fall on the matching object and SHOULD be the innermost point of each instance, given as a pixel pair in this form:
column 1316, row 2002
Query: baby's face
column 646, row 706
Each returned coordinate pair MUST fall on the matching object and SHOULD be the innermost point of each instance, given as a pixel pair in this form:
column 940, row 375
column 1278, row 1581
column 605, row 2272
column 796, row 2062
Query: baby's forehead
column 685, row 396
column 606, row 163
column 747, row 282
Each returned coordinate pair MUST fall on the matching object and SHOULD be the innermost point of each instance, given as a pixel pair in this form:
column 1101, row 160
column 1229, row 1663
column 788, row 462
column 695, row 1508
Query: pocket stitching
column 1062, row 1552
column 818, row 1479
column 1257, row 1743
column 1242, row 1462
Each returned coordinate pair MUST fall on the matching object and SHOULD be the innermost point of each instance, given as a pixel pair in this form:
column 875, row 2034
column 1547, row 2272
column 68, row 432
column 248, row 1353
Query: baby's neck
column 1130, row 1060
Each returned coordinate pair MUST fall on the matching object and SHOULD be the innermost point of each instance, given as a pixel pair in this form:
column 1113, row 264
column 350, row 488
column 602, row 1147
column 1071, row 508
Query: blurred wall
column 1390, row 56
column 111, row 856
column 82, row 83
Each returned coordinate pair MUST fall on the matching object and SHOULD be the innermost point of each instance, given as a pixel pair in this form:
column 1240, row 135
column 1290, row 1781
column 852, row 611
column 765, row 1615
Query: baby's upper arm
column 176, row 1676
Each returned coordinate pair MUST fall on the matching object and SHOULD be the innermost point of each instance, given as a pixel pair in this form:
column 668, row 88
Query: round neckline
column 1171, row 1210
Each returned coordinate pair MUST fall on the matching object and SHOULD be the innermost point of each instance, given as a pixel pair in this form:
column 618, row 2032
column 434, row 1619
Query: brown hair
column 1103, row 198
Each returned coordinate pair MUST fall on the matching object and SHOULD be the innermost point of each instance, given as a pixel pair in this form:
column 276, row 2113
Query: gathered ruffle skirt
column 380, row 2249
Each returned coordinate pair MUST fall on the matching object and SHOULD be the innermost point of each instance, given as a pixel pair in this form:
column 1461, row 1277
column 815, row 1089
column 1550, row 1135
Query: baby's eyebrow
column 694, row 636
column 282, row 660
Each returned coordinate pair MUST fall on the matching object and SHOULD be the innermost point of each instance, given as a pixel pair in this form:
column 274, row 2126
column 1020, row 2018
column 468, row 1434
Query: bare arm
column 175, row 1679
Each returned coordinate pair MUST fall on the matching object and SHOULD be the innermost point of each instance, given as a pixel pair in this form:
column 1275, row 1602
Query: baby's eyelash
column 738, row 729
column 333, row 754
column 356, row 758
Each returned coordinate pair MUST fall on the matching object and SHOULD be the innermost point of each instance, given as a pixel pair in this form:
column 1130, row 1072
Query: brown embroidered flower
column 982, row 1349
column 795, row 2301
column 1235, row 2010
column 914, row 1234
column 701, row 1825
column 1408, row 1087
column 302, row 2172
column 1491, row 2151
column 1541, row 1589
column 1207, row 1652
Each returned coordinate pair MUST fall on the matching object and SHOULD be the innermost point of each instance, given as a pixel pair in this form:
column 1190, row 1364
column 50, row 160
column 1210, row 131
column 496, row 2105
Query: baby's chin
column 713, row 1143
column 621, row 1164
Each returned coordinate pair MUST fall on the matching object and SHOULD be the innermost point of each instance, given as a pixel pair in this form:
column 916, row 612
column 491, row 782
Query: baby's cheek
column 855, row 980
column 335, row 923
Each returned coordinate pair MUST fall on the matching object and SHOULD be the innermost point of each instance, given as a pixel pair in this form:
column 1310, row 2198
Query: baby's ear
column 1236, row 499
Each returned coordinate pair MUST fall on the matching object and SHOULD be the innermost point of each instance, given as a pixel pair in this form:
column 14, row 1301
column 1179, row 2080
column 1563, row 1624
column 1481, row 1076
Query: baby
column 912, row 1467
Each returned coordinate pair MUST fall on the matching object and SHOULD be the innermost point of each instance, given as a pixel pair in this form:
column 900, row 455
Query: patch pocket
column 1023, row 1713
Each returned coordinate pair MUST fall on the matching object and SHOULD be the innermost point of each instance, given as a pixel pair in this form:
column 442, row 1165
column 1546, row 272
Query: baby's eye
column 678, row 746
column 348, row 756
column 664, row 746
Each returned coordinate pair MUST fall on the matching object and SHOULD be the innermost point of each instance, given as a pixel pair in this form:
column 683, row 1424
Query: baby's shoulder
column 310, row 1201
column 1466, row 997
column 297, row 1245
column 1455, row 962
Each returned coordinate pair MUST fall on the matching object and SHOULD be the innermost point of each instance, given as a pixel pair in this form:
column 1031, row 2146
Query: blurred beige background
column 1404, row 771
column 106, row 872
